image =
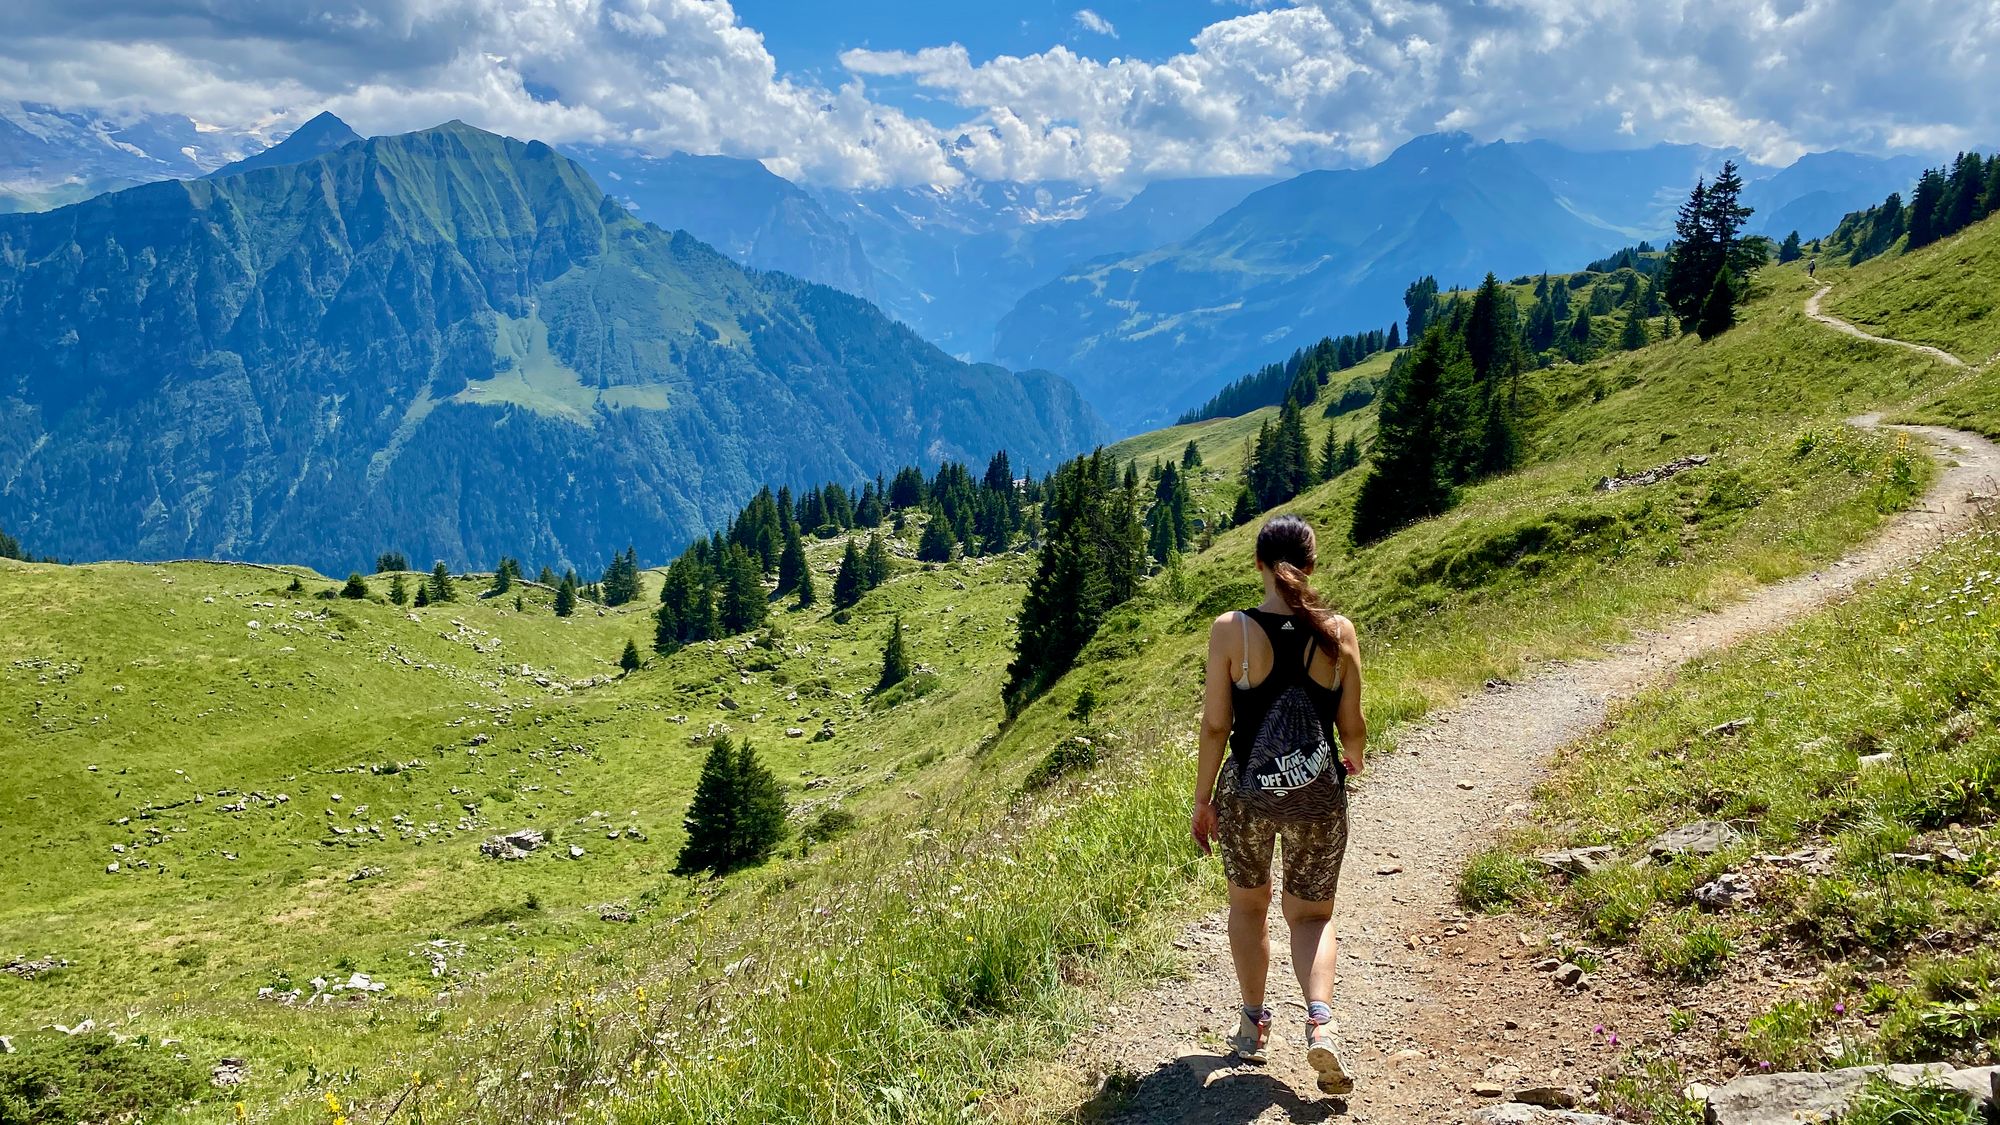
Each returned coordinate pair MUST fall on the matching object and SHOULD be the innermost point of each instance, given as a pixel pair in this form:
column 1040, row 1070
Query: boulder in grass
column 1703, row 837
column 1578, row 862
column 1786, row 1099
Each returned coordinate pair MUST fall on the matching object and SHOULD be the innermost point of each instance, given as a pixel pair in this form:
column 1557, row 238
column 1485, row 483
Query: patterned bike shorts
column 1314, row 849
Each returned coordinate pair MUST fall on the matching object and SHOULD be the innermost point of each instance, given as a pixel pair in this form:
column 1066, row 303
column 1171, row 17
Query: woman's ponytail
column 1287, row 546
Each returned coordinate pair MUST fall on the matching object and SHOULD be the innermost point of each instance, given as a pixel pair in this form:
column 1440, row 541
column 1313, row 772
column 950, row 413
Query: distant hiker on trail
column 1812, row 265
column 1284, row 680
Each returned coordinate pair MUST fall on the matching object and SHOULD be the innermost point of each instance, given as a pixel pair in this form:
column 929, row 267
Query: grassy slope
column 1921, row 685
column 1046, row 893
column 1946, row 295
column 1907, row 669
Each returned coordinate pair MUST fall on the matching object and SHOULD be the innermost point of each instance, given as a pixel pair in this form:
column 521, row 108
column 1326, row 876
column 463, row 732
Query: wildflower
column 1840, row 1009
column 242, row 1112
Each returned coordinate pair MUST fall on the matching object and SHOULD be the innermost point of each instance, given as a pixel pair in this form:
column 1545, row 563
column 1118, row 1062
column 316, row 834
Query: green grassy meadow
column 918, row 966
column 1945, row 295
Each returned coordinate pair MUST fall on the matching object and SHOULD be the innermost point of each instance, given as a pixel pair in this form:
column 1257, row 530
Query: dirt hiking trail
column 1431, row 1004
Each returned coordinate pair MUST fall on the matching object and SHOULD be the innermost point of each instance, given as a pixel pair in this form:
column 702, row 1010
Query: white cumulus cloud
column 1266, row 87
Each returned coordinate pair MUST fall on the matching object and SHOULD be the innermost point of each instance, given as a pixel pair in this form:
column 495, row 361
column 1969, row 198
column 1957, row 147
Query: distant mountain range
column 449, row 343
column 50, row 156
column 1150, row 303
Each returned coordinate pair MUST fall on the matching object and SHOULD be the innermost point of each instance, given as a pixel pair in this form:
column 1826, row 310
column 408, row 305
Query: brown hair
column 1287, row 546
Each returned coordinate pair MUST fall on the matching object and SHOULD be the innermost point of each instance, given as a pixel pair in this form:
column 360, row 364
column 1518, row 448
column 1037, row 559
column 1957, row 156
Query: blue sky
column 808, row 37
column 859, row 92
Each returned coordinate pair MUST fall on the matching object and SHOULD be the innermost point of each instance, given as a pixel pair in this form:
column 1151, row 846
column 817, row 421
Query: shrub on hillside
column 1071, row 754
column 92, row 1077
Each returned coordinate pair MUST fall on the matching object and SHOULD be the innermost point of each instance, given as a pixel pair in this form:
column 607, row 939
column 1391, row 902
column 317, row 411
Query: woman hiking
column 1284, row 683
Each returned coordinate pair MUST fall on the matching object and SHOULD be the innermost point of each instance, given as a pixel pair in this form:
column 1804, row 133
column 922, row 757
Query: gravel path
column 1839, row 325
column 1408, row 1016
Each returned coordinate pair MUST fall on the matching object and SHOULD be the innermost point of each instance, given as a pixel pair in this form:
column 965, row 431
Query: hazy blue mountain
column 50, row 156
column 1634, row 191
column 737, row 206
column 1149, row 334
column 1813, row 194
column 449, row 343
column 319, row 136
column 1146, row 335
column 951, row 261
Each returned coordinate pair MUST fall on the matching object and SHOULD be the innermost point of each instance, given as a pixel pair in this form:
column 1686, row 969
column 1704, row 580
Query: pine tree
column 503, row 577
column 1329, row 455
column 1244, row 510
column 792, row 560
column 875, row 563
column 1718, row 312
column 895, row 661
column 934, row 545
column 807, row 592
column 629, row 659
column 1420, row 298
column 847, row 582
column 1394, row 341
column 441, row 588
column 1633, row 337
column 1788, row 250
column 737, row 815
column 687, row 606
column 355, row 587
column 423, row 595
column 546, row 578
column 566, row 595
column 1350, row 455
column 744, row 605
column 1191, row 456
column 621, row 578
column 389, row 561
column 399, row 591
column 1423, row 423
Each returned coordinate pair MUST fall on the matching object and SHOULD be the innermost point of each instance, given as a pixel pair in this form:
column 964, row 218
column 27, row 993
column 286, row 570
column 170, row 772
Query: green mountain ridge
column 315, row 360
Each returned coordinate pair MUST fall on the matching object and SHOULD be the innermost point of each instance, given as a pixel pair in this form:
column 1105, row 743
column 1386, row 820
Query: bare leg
column 1250, row 940
column 1313, row 945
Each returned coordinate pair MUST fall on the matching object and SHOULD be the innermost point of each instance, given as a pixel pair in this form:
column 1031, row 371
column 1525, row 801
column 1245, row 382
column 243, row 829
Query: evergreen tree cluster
column 1089, row 564
column 1170, row 520
column 1276, row 382
column 621, row 579
column 505, row 575
column 1281, row 462
column 1449, row 414
column 390, row 561
column 1947, row 199
column 737, row 816
column 10, row 547
column 1709, row 263
column 716, row 588
column 1641, row 259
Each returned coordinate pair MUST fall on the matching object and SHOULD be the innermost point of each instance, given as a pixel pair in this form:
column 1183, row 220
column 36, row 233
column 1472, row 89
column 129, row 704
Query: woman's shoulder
column 1342, row 627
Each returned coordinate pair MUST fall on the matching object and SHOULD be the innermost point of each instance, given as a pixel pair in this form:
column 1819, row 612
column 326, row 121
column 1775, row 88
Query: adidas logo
column 1287, row 626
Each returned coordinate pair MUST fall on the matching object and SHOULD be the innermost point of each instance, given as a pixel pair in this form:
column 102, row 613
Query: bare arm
column 1217, row 713
column 1353, row 728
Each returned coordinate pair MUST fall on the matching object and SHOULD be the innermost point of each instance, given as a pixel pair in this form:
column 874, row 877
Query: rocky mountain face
column 739, row 207
column 449, row 343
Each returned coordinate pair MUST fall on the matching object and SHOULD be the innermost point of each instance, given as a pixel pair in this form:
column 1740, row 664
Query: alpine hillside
column 448, row 339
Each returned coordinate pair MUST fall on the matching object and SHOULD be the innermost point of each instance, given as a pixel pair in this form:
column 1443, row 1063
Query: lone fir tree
column 737, row 815
column 629, row 659
column 895, row 659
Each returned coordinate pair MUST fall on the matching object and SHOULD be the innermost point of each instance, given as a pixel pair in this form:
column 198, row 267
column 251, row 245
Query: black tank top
column 1292, row 645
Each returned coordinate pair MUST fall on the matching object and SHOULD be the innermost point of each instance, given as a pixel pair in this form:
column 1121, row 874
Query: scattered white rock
column 1731, row 888
column 229, row 1072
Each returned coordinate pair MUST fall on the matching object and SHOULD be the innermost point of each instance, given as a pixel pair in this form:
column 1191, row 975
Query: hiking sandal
column 1253, row 1032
